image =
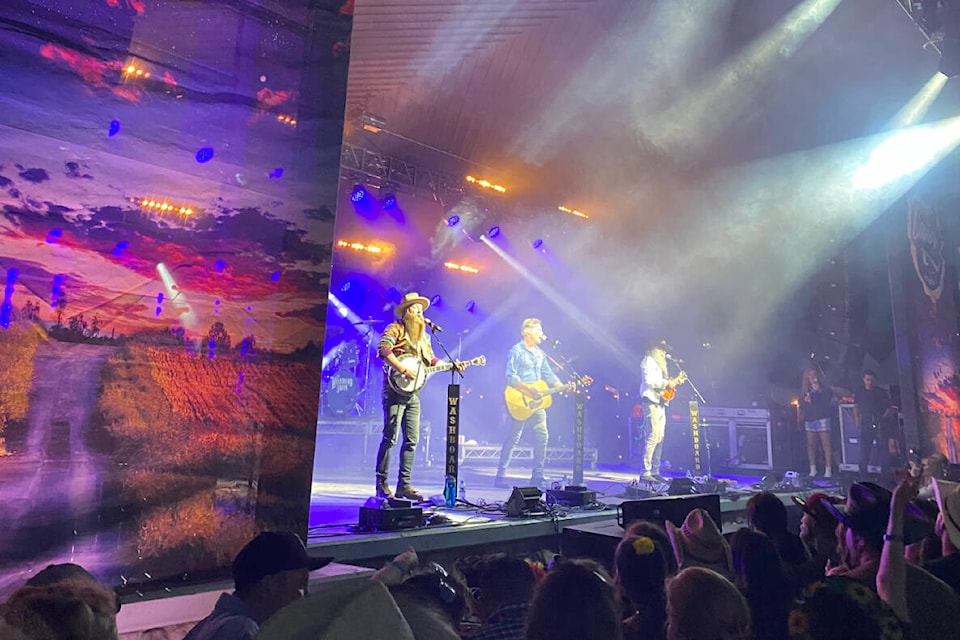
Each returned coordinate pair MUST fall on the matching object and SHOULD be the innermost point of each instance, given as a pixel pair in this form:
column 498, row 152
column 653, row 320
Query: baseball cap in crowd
column 813, row 506
column 272, row 552
column 868, row 510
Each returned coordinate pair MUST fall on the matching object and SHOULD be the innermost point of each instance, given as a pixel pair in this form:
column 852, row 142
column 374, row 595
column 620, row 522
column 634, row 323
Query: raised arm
column 892, row 573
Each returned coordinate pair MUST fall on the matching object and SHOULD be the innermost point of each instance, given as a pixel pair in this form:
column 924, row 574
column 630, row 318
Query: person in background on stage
column 816, row 402
column 656, row 381
column 872, row 412
column 527, row 363
column 405, row 336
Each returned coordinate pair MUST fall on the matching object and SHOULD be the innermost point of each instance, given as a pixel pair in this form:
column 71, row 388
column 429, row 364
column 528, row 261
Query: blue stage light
column 435, row 300
column 204, row 155
column 538, row 243
column 470, row 306
column 359, row 192
column 389, row 201
column 114, row 128
column 493, row 232
column 453, row 221
column 219, row 266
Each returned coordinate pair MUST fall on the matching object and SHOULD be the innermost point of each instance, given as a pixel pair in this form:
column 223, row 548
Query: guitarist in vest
column 655, row 393
column 527, row 363
column 405, row 336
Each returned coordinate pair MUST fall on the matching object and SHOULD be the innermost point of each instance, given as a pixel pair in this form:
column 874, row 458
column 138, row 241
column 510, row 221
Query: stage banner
column 923, row 279
column 168, row 182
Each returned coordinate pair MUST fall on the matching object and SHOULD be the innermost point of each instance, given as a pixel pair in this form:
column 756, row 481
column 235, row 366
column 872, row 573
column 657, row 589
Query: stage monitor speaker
column 663, row 508
column 523, row 500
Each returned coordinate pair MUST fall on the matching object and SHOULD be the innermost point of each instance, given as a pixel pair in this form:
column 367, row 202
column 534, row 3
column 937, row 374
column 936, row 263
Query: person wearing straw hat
column 699, row 543
column 406, row 336
column 947, row 568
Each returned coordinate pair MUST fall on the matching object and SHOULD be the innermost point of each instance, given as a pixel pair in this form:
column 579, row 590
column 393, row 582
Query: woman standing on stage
column 816, row 402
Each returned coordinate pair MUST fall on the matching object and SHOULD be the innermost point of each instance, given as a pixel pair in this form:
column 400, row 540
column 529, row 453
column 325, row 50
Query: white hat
column 362, row 610
column 948, row 499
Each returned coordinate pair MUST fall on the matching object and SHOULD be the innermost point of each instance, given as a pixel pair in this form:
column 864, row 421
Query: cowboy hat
column 659, row 344
column 411, row 298
column 699, row 543
column 357, row 610
column 948, row 497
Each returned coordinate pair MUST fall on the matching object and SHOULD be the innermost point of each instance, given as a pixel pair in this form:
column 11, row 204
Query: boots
column 383, row 491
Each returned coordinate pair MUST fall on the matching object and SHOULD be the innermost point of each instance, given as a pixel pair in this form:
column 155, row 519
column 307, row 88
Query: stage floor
column 337, row 497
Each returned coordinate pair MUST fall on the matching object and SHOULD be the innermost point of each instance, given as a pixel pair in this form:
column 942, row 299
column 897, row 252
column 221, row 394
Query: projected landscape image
column 165, row 238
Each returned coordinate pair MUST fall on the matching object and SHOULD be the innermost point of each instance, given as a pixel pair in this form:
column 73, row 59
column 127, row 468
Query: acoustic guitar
column 522, row 405
column 408, row 386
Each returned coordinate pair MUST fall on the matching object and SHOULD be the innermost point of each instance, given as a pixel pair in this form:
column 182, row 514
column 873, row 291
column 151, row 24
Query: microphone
column 553, row 343
column 433, row 325
column 677, row 360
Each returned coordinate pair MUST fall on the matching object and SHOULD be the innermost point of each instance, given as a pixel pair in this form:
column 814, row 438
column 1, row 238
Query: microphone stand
column 579, row 407
column 452, row 428
column 695, row 435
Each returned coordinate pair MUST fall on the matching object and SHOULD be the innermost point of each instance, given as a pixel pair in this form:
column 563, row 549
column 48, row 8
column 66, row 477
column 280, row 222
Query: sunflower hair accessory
column 643, row 546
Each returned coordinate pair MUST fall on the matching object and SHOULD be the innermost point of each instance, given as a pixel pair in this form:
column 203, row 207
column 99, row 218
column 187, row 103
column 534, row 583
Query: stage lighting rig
column 389, row 200
column 486, row 184
column 453, row 266
column 372, row 123
column 359, row 246
column 573, row 212
column 359, row 192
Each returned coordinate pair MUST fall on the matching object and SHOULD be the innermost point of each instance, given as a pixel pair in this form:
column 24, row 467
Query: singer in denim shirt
column 527, row 363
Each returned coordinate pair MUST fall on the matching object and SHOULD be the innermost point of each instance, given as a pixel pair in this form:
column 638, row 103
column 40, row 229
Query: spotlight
column 470, row 306
column 950, row 55
column 453, row 221
column 538, row 243
column 389, row 200
column 359, row 192
column 435, row 300
column 493, row 232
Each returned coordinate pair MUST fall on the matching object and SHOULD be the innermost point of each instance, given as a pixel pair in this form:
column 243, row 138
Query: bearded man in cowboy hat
column 405, row 336
column 654, row 396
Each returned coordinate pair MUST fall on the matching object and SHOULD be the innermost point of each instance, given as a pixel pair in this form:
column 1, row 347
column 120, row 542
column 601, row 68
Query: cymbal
column 370, row 321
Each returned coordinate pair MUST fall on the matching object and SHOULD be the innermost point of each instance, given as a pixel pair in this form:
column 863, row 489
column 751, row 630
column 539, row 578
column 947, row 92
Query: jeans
column 539, row 425
column 399, row 411
column 655, row 419
column 869, row 433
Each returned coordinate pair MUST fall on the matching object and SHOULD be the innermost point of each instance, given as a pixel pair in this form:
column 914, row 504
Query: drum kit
column 350, row 383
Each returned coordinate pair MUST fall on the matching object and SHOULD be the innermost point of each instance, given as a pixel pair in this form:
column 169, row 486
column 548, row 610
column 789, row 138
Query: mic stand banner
column 451, row 431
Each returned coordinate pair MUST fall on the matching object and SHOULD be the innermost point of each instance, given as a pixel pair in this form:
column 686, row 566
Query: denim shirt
column 529, row 365
column 230, row 620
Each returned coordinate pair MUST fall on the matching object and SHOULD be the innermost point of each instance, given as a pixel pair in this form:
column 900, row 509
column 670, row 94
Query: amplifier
column 374, row 519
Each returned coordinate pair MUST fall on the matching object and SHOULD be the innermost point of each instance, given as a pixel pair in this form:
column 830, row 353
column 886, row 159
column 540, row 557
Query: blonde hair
column 528, row 325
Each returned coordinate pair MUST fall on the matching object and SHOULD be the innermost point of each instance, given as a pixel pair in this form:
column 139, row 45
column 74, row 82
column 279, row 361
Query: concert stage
column 484, row 527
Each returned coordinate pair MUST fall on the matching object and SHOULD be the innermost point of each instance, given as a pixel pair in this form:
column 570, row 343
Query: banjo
column 402, row 384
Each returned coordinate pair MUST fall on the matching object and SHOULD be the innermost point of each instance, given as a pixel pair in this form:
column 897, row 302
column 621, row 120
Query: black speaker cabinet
column 663, row 508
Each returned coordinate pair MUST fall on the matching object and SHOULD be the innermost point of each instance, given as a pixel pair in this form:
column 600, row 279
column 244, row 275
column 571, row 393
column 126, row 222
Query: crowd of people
column 880, row 564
